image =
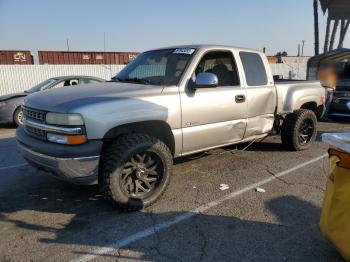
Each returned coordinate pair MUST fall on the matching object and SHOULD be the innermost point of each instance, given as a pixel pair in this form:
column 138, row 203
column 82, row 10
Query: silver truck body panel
column 292, row 95
column 199, row 119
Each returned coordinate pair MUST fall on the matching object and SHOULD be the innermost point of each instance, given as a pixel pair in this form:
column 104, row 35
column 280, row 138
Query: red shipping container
column 65, row 57
column 16, row 57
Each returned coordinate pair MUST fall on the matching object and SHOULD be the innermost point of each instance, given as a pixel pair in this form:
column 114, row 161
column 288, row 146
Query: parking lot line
column 7, row 135
column 161, row 226
column 13, row 166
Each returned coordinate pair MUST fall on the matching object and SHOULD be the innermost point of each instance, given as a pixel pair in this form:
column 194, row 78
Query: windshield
column 41, row 86
column 159, row 67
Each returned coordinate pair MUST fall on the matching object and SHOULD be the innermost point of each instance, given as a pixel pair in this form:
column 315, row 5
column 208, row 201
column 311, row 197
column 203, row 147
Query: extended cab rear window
column 254, row 69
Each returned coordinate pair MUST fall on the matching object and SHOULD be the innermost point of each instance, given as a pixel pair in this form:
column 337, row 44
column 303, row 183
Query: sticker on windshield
column 186, row 51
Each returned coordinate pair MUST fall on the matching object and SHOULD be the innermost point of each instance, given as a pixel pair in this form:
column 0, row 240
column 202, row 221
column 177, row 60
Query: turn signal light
column 76, row 140
column 67, row 139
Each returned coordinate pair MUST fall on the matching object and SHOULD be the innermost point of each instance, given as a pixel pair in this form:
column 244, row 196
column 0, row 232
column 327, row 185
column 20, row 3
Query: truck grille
column 35, row 132
column 36, row 116
column 33, row 114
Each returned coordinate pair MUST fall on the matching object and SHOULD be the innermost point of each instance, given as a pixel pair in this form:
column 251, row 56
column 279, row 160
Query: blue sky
column 132, row 25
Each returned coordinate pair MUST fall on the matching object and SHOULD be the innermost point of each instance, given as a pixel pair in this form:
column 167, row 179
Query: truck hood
column 65, row 99
column 10, row 96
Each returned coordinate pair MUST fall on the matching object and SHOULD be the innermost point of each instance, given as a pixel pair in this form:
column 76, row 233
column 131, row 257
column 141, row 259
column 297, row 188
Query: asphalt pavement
column 42, row 219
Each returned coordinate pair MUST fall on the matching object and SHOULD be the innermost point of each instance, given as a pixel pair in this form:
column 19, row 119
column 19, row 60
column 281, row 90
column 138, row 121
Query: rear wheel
column 17, row 116
column 299, row 130
column 135, row 171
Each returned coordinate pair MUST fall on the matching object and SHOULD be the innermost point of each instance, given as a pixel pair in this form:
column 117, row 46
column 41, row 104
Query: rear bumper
column 75, row 164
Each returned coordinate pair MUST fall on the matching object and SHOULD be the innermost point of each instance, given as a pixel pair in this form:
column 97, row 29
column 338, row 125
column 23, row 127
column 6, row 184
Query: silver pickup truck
column 167, row 103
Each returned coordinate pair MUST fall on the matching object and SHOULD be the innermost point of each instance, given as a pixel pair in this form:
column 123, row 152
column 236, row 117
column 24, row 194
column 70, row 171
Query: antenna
column 68, row 44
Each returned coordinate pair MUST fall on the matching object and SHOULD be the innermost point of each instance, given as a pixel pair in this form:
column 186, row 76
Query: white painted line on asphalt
column 13, row 166
column 7, row 136
column 158, row 227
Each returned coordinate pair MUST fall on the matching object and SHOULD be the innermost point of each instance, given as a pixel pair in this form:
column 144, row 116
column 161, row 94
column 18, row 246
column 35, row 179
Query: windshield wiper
column 116, row 79
column 135, row 80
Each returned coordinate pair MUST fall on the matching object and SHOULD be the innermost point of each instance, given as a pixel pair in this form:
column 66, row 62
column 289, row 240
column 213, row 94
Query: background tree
column 343, row 30
column 334, row 32
column 337, row 11
column 328, row 30
column 284, row 53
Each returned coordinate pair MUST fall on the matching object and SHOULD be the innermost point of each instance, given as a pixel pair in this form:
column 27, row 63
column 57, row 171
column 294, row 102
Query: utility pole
column 302, row 47
column 316, row 29
column 104, row 41
column 68, row 44
column 298, row 49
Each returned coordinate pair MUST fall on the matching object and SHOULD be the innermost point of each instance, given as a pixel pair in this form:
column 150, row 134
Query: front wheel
column 135, row 170
column 299, row 130
column 17, row 116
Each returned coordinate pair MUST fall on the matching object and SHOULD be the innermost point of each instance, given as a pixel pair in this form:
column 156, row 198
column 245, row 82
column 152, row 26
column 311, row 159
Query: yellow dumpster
column 335, row 216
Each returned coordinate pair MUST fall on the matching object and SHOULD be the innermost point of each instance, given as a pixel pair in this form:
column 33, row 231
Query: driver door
column 217, row 116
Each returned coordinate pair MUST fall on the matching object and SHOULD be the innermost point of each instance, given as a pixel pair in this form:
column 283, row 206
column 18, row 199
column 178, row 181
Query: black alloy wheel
column 142, row 174
column 299, row 130
column 135, row 170
column 306, row 131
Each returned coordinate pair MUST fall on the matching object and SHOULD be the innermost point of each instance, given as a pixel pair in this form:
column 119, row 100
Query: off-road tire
column 16, row 114
column 117, row 154
column 290, row 129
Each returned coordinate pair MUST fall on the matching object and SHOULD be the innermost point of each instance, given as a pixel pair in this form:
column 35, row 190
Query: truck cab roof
column 210, row 47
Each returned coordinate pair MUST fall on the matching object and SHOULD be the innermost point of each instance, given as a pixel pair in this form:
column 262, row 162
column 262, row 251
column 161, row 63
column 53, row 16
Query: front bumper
column 78, row 168
column 6, row 115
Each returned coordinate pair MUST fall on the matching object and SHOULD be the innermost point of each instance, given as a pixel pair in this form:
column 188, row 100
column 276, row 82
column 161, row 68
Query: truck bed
column 293, row 94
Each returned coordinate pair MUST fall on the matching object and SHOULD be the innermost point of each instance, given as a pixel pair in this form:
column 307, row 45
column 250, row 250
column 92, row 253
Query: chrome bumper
column 82, row 171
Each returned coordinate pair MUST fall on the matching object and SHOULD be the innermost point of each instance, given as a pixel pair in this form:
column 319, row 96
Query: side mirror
column 206, row 80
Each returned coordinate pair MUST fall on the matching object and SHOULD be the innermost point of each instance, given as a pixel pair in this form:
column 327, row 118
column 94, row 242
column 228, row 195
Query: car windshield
column 41, row 86
column 159, row 67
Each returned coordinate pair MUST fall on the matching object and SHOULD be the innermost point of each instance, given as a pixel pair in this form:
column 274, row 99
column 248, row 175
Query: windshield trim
column 190, row 61
column 49, row 81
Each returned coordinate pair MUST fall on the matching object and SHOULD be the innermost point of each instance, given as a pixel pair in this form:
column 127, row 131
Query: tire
column 299, row 130
column 122, row 165
column 17, row 116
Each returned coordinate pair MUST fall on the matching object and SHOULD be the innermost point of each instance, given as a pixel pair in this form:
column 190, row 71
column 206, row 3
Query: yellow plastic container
column 335, row 216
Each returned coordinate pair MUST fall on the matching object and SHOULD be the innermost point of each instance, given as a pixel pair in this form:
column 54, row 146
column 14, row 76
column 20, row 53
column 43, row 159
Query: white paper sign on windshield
column 186, row 51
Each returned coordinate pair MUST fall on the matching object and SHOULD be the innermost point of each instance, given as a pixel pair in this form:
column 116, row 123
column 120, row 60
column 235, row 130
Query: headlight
column 66, row 139
column 64, row 119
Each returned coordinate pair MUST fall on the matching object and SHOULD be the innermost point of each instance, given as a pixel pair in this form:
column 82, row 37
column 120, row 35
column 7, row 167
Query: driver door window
column 221, row 64
column 68, row 82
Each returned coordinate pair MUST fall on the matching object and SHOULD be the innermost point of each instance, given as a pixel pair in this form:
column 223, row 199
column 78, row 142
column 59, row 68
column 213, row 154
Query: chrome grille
column 36, row 132
column 33, row 114
column 36, row 116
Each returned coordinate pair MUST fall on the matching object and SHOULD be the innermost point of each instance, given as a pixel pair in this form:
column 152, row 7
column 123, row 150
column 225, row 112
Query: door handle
column 240, row 98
